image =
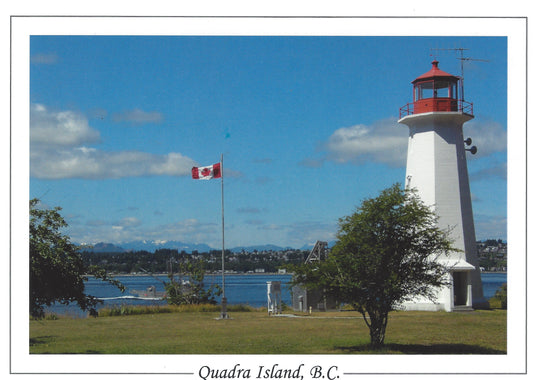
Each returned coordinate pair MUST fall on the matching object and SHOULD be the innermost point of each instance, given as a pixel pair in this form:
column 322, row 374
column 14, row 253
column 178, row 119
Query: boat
column 150, row 292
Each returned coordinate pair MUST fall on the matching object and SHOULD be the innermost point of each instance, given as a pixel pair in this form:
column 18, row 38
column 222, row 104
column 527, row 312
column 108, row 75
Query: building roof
column 457, row 264
column 435, row 72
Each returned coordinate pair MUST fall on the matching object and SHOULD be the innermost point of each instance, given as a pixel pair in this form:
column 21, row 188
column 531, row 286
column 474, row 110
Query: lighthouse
column 436, row 168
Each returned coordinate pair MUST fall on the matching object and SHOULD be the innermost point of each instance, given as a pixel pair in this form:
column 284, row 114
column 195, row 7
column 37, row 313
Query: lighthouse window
column 442, row 90
column 425, row 90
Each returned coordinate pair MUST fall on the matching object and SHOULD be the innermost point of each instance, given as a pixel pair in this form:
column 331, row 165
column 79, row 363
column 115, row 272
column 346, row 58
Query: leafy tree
column 385, row 255
column 191, row 291
column 57, row 272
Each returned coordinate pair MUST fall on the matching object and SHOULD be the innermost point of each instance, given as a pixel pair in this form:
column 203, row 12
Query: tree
column 191, row 291
column 57, row 272
column 385, row 255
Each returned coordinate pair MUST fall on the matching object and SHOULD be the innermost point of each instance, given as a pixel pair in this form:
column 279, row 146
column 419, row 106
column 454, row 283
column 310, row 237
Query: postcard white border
column 513, row 28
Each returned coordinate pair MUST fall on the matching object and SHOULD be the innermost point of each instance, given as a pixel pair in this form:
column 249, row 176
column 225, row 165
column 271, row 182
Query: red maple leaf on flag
column 207, row 172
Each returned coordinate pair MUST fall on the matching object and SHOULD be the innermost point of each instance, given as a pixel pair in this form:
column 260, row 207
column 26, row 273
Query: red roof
column 435, row 72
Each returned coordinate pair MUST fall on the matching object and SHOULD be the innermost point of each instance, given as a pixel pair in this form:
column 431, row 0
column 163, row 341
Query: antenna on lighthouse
column 462, row 58
column 460, row 50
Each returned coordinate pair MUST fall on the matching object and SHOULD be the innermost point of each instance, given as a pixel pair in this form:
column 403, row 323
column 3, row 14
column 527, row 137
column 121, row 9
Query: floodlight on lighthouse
column 468, row 141
column 472, row 150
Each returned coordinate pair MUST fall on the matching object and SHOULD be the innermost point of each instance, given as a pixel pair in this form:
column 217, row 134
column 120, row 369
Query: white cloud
column 132, row 229
column 171, row 164
column 491, row 227
column 59, row 150
column 272, row 227
column 385, row 141
column 94, row 164
column 488, row 136
column 60, row 129
column 44, row 59
column 130, row 221
column 138, row 116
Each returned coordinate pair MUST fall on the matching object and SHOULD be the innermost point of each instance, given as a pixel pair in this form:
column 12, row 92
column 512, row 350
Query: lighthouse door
column 460, row 288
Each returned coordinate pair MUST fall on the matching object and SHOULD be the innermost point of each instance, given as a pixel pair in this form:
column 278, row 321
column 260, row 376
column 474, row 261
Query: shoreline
column 234, row 274
column 207, row 274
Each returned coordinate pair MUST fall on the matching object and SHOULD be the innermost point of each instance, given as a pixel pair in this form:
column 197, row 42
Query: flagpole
column 223, row 313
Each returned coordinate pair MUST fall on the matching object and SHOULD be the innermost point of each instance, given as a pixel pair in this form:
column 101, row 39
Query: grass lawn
column 479, row 332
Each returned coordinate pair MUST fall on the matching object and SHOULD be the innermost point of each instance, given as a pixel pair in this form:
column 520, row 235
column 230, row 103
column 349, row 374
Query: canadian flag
column 207, row 172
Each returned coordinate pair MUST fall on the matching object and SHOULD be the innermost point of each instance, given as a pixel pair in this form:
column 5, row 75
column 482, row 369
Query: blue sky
column 307, row 125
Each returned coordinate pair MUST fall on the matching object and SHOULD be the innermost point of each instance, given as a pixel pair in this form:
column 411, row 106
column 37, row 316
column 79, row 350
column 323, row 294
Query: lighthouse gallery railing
column 462, row 106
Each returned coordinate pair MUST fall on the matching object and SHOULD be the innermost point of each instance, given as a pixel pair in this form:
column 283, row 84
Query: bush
column 192, row 291
column 45, row 316
column 500, row 297
column 132, row 310
column 241, row 307
column 120, row 310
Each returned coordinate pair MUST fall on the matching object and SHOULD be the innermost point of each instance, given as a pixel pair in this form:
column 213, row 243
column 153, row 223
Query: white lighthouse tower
column 436, row 168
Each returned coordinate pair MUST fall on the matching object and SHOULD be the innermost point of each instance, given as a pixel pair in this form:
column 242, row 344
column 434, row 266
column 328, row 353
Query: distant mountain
column 310, row 246
column 101, row 247
column 153, row 245
column 264, row 247
column 145, row 245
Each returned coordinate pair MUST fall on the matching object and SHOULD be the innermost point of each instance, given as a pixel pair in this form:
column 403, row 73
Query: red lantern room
column 436, row 91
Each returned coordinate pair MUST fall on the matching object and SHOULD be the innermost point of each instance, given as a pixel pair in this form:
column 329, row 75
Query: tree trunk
column 378, row 326
column 377, row 336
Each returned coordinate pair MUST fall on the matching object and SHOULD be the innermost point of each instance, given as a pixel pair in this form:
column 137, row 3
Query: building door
column 460, row 288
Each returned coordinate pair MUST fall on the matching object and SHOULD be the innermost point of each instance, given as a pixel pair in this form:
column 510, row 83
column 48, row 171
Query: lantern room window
column 424, row 90
column 435, row 89
column 445, row 90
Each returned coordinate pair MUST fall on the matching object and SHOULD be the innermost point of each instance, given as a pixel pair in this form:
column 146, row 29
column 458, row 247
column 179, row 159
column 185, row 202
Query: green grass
column 254, row 332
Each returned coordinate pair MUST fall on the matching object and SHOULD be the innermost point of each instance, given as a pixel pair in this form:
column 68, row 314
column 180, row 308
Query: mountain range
column 153, row 245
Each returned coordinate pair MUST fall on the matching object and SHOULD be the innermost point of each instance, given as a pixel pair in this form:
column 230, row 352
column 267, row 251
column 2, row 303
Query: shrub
column 119, row 310
column 192, row 291
column 501, row 296
column 240, row 307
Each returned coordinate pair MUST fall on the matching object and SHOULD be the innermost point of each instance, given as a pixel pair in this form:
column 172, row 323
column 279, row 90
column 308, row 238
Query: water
column 491, row 282
column 240, row 289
